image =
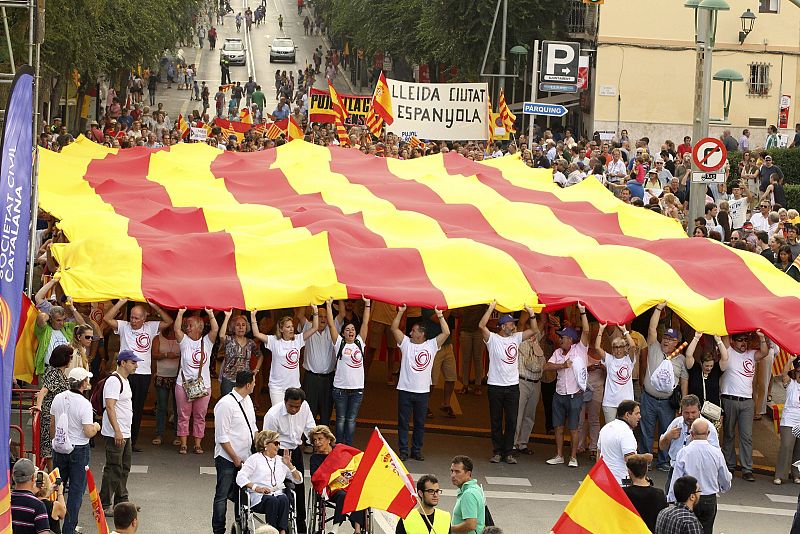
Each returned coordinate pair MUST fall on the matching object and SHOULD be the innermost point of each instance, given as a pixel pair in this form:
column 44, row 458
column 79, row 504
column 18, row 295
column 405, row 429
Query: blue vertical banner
column 16, row 167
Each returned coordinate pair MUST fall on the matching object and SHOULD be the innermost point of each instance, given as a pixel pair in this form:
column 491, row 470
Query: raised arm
column 485, row 319
column 212, row 321
column 691, row 348
column 331, row 322
column 75, row 313
column 254, row 325
column 598, row 341
column 177, row 326
column 109, row 317
column 365, row 320
column 763, row 346
column 42, row 293
column 652, row 329
column 723, row 353
column 632, row 348
column 314, row 322
column 584, row 325
column 443, row 324
column 223, row 331
column 396, row 332
column 166, row 320
column 534, row 328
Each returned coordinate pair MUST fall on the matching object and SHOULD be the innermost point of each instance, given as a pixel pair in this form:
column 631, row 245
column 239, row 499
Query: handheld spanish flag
column 505, row 114
column 380, row 111
column 293, row 131
column 381, row 481
column 245, row 116
column 600, row 491
column 337, row 471
column 97, row 505
column 183, row 127
column 24, row 364
column 227, row 87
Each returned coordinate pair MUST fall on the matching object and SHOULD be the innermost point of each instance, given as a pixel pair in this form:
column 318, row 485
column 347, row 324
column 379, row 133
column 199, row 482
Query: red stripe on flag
column 348, row 236
column 604, row 479
column 5, row 516
column 565, row 525
column 154, row 223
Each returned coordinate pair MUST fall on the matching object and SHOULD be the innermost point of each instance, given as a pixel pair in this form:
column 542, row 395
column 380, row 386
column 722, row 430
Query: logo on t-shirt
column 748, row 368
column 142, row 342
column 622, row 376
column 197, row 359
column 292, row 359
column 421, row 360
column 356, row 358
column 511, row 354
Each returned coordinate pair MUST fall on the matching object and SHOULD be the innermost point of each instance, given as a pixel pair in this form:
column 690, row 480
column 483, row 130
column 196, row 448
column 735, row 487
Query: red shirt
column 683, row 148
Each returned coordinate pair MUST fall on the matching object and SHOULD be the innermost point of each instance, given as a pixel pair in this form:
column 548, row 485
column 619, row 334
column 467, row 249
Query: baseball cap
column 581, row 165
column 652, row 171
column 570, row 333
column 507, row 318
column 23, row 470
column 747, row 225
column 128, row 355
column 767, row 157
column 79, row 374
column 671, row 332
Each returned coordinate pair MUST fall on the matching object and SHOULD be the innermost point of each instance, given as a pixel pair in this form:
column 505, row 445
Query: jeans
column 225, row 386
column 654, row 410
column 114, row 488
column 503, row 408
column 408, row 403
column 738, row 413
column 72, row 467
column 162, row 400
column 348, row 401
column 140, row 387
column 226, row 489
column 706, row 512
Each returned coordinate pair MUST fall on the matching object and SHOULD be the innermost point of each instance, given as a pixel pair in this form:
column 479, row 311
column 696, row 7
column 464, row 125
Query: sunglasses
column 88, row 338
column 618, row 346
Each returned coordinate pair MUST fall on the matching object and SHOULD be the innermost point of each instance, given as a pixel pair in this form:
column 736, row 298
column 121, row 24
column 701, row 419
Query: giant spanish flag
column 381, row 481
column 196, row 226
column 600, row 507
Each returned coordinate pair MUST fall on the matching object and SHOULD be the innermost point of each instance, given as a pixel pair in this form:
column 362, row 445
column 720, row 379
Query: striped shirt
column 28, row 514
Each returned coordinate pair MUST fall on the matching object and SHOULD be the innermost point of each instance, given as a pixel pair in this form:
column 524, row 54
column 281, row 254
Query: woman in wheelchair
column 263, row 475
column 324, row 442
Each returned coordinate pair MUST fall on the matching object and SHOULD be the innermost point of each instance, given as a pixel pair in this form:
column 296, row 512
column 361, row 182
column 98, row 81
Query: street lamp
column 712, row 7
column 747, row 18
column 518, row 52
column 727, row 77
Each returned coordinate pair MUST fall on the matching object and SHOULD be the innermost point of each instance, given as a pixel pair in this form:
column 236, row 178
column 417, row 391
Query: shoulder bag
column 710, row 411
column 253, row 449
column 195, row 388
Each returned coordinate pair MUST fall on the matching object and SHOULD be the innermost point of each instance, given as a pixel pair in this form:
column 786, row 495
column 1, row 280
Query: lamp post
column 747, row 18
column 518, row 52
column 705, row 32
column 727, row 77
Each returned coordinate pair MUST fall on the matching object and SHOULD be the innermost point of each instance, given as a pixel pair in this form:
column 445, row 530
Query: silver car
column 234, row 51
column 282, row 49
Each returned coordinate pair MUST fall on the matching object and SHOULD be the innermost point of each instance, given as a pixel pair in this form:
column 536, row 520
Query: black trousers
column 299, row 489
column 319, row 395
column 503, row 408
column 548, row 392
column 706, row 512
column 140, row 387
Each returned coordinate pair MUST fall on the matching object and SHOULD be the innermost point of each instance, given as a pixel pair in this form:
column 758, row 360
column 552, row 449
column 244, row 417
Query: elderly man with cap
column 540, row 161
column 117, row 420
column 569, row 360
column 28, row 513
column 503, row 381
column 655, row 402
column 80, row 428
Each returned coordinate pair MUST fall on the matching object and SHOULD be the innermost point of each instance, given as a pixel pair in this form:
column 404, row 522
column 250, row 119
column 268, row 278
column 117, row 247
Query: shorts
column 445, row 363
column 376, row 332
column 567, row 408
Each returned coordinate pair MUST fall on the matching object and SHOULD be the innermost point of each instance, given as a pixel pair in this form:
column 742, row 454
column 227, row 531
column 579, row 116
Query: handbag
column 253, row 449
column 195, row 388
column 710, row 411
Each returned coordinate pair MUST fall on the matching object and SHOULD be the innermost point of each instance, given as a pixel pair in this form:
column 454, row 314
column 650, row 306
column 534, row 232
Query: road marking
column 139, row 469
column 208, row 471
column 788, row 499
column 508, row 481
column 755, row 510
column 386, row 522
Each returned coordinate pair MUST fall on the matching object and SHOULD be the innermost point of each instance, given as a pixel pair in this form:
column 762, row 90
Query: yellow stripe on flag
column 598, row 513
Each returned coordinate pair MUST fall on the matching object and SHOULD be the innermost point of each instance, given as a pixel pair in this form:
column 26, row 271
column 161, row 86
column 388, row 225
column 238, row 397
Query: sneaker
column 664, row 468
column 496, row 459
column 510, row 459
column 748, row 476
column 418, row 457
column 555, row 460
column 777, row 482
column 573, row 462
column 109, row 511
column 403, row 456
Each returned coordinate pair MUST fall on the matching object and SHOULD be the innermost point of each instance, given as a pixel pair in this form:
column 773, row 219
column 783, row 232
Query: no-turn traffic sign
column 709, row 154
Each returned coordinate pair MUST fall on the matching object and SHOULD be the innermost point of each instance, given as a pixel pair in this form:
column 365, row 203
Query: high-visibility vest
column 415, row 524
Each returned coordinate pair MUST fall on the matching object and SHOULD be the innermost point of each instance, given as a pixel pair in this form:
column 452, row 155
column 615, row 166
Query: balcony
column 581, row 20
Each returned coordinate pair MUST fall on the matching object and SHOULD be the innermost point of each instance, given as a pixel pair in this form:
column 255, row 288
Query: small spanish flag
column 24, row 364
column 337, row 471
column 227, row 87
column 97, row 505
column 381, row 481
column 245, row 116
column 183, row 127
column 380, row 111
column 293, row 131
column 600, row 491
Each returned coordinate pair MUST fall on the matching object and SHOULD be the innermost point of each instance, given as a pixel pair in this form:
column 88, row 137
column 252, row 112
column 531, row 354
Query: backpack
column 97, row 400
column 61, row 442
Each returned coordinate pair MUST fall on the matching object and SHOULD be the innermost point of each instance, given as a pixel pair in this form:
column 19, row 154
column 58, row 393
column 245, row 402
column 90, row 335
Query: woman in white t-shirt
column 195, row 356
column 167, row 353
column 790, row 446
column 82, row 337
column 348, row 382
column 619, row 370
column 285, row 345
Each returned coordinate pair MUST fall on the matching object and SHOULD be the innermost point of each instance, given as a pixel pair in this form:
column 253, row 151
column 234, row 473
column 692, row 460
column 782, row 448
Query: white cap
column 79, row 374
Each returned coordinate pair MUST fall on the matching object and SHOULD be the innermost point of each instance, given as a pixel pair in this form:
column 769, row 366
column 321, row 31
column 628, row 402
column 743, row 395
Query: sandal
column 156, row 440
column 176, row 442
column 478, row 391
column 182, row 450
column 198, row 449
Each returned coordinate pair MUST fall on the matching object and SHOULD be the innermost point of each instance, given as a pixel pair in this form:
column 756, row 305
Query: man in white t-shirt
column 736, row 394
column 137, row 335
column 80, row 428
column 503, row 380
column 617, row 442
column 569, row 360
column 117, row 420
column 414, row 384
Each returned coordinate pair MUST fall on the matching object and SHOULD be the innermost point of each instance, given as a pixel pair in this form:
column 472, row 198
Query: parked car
column 234, row 51
column 282, row 49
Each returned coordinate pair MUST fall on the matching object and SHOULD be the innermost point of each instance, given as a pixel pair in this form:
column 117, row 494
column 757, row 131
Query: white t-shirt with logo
column 737, row 380
column 619, row 386
column 503, row 366
column 416, row 365
column 57, row 338
column 192, row 359
column 350, row 368
column 615, row 441
column 123, row 408
column 79, row 413
column 139, row 341
column 791, row 408
column 284, row 372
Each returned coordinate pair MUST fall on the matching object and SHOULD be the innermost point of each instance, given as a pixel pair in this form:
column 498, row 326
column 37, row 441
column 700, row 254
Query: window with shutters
column 758, row 83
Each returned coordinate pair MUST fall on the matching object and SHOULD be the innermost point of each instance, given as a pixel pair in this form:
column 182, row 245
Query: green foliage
column 792, row 196
column 788, row 159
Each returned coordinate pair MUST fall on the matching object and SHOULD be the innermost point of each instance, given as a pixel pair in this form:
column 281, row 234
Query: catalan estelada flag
column 600, row 507
column 183, row 127
column 24, row 364
column 779, row 363
column 132, row 214
column 337, row 471
column 341, row 115
column 381, row 481
column 97, row 505
column 507, row 117
column 293, row 130
column 277, row 128
column 380, row 111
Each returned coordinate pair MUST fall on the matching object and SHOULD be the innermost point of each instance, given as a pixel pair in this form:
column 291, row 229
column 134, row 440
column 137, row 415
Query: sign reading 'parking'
column 560, row 62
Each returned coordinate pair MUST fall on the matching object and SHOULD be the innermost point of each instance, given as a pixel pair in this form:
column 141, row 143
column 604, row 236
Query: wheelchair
column 320, row 513
column 247, row 521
